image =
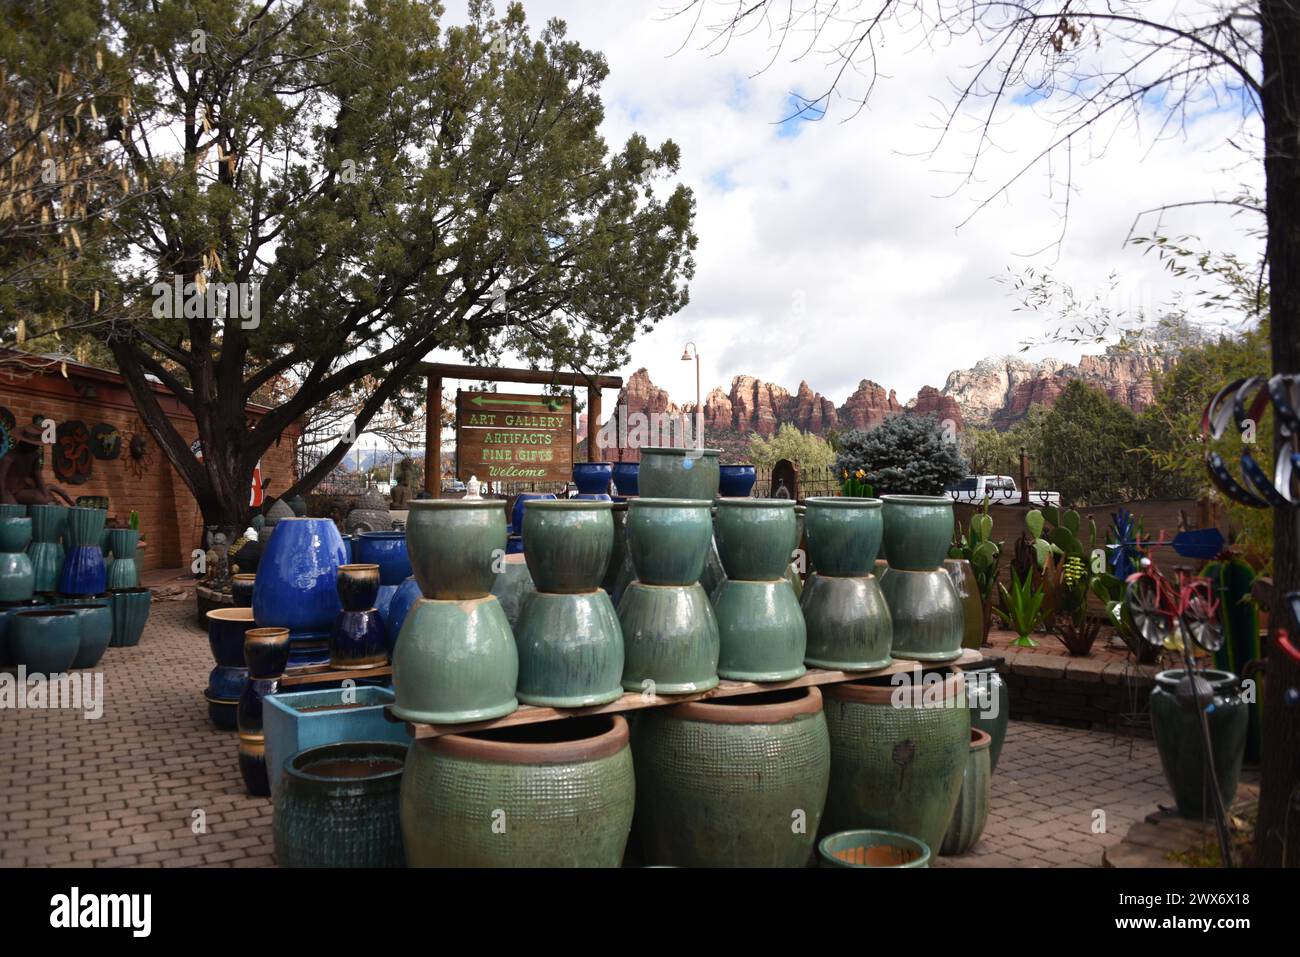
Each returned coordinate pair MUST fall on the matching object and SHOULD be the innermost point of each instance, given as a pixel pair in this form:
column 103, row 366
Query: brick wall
column 169, row 515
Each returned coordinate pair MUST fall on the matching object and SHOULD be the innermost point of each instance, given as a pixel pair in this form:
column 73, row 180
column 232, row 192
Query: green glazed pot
column 963, row 579
column 94, row 630
column 121, row 573
column 990, row 706
column 713, row 574
column 556, row 794
column 678, row 473
column 843, row 534
column 618, row 553
column 512, row 586
column 46, row 640
column 570, row 650
column 761, row 632
column 669, row 539
column 918, row 531
column 122, row 542
column 728, row 782
column 863, row 848
column 755, row 537
column 455, row 661
column 898, row 754
column 339, row 805
column 928, row 618
column 49, row 522
column 130, row 614
column 15, row 534
column 17, row 576
column 569, row 543
column 453, row 544
column 85, row 526
column 972, row 811
column 47, row 562
column 1176, row 728
column 670, row 639
column 849, row 626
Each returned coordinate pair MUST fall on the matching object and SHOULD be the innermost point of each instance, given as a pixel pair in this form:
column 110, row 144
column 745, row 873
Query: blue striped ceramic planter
column 83, row 571
column 297, row 576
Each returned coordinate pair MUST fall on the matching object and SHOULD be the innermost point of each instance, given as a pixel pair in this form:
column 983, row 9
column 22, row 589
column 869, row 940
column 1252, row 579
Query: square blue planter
column 305, row 719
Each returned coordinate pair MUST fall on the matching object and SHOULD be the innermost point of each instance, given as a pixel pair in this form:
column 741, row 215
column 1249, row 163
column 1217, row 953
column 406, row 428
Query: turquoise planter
column 972, row 811
column 49, row 522
column 843, row 534
column 85, row 526
column 761, row 632
column 569, row 543
column 918, row 531
column 47, row 562
column 755, row 537
column 453, row 544
column 570, row 650
column 512, row 586
column 130, row 614
column 670, row 639
column 15, row 534
column 678, row 473
column 927, row 614
column 669, row 539
column 1176, row 727
column 123, row 571
column 13, row 511
column 849, row 625
column 45, row 640
column 868, row 848
column 17, row 575
column 94, row 629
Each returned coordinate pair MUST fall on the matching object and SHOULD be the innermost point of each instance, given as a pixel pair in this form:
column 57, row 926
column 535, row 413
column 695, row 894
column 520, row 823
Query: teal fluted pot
column 843, row 534
column 866, row 848
column 972, row 811
column 570, row 650
column 455, row 661
column 12, row 511
column 339, row 805
column 45, row 640
column 130, row 614
column 122, row 542
column 122, row 573
column 17, row 575
column 669, row 539
column 898, row 753
column 49, row 522
column 918, row 531
column 929, row 621
column 94, row 628
column 512, row 586
column 47, row 562
column 848, row 622
column 732, row 782
column 670, row 639
column 990, row 706
column 755, row 537
column 453, row 545
column 1176, row 727
column 85, row 526
column 557, row 794
column 761, row 631
column 678, row 473
column 569, row 543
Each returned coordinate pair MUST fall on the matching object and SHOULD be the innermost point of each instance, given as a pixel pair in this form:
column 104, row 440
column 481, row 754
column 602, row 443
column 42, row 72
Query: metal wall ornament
column 105, row 442
column 1250, row 398
column 139, row 450
column 73, row 459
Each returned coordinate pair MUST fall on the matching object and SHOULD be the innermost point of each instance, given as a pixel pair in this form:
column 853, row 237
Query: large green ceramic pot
column 339, row 805
column 453, row 544
column 732, row 782
column 713, row 574
column 668, row 539
column 843, row 534
column 865, row 848
column 849, row 627
column 918, row 531
column 798, row 557
column 927, row 614
column 17, row 575
column 963, row 580
column 569, row 543
column 972, row 811
column 755, row 537
column 898, row 753
column 618, row 553
column 570, row 650
column 512, row 586
column 670, row 639
column 761, row 631
column 455, row 661
column 94, row 629
column 46, row 640
column 85, row 526
column 678, row 473
column 990, row 705
column 1176, row 726
column 556, row 794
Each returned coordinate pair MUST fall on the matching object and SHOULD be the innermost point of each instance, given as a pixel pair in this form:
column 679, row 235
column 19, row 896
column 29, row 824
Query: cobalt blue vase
column 625, row 477
column 83, row 572
column 297, row 577
column 388, row 551
column 359, row 640
column 736, row 481
column 226, row 629
column 408, row 593
column 517, row 513
column 592, row 478
column 225, row 685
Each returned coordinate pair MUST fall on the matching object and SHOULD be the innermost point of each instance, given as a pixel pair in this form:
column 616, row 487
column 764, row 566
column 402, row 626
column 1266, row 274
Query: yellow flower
column 860, row 475
column 846, row 473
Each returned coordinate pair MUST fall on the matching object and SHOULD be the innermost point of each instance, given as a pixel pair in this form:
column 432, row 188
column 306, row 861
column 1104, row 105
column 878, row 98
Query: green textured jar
column 755, row 537
column 761, row 631
column 972, row 811
column 569, row 543
column 670, row 639
column 918, row 531
column 453, row 544
column 669, row 539
column 929, row 622
column 570, row 650
column 898, row 753
column 843, row 534
column 1176, row 727
column 556, row 794
column 849, row 626
column 732, row 782
column 455, row 662
column 678, row 473
column 512, row 586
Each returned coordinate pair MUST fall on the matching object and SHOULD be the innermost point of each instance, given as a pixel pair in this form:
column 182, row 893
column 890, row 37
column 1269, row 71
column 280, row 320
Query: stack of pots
column 226, row 630
column 266, row 653
column 46, row 550
column 358, row 639
column 568, row 636
column 17, row 576
column 130, row 602
column 83, row 572
column 761, row 629
column 297, row 585
column 123, row 572
column 849, row 624
column 455, row 659
column 929, row 620
column 388, row 551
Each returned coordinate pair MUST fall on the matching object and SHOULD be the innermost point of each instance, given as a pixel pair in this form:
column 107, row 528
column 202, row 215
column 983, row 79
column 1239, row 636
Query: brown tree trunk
column 1278, row 834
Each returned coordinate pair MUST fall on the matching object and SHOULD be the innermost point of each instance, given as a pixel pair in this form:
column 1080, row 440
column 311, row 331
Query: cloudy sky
column 830, row 251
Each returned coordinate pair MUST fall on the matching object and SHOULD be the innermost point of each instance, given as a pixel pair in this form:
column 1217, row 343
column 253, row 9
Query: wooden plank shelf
column 636, row 700
column 320, row 674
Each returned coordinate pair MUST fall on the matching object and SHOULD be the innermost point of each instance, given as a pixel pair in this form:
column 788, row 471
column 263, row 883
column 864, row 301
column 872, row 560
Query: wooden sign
column 514, row 438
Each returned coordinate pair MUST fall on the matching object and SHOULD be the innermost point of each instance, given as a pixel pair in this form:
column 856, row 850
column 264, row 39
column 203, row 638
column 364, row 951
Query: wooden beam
column 593, row 424
column 433, row 438
column 526, row 376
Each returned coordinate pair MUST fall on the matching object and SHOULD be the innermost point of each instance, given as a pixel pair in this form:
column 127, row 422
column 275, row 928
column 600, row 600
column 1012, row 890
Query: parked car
column 454, row 486
column 999, row 490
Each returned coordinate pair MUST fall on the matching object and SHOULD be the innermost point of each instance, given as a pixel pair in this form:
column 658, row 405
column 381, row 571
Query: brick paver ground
column 128, row 789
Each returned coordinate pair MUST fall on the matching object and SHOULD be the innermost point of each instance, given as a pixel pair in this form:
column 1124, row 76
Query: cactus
column 976, row 546
column 1233, row 580
column 1022, row 608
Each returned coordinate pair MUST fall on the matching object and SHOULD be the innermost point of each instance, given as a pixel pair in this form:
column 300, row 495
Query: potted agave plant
column 1022, row 607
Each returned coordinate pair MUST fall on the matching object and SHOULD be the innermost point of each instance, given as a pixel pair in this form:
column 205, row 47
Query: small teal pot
column 226, row 630
column 15, row 534
column 843, row 534
column 569, row 544
column 849, row 625
column 297, row 586
column 122, row 570
column 266, row 652
column 679, row 473
column 130, row 614
column 385, row 549
column 736, row 481
column 454, row 544
column 570, row 650
column 359, row 640
column 358, row 586
column 755, row 537
column 407, row 594
column 625, row 477
column 49, row 522
column 669, row 539
column 928, row 617
column 83, row 571
column 85, row 527
column 339, row 805
column 918, row 531
column 761, row 631
column 592, row 478
column 865, row 848
column 95, row 630
column 45, row 640
column 241, row 589
column 670, row 639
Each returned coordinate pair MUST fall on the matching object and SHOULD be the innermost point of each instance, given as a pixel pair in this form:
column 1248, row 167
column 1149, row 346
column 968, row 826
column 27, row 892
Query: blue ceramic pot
column 515, row 545
column 625, row 477
column 226, row 683
column 241, row 589
column 248, row 720
column 95, row 629
column 7, row 611
column 130, row 613
column 384, row 599
column 308, row 648
column 517, row 513
column 591, row 497
column 297, row 576
column 408, row 593
column 736, row 481
column 83, row 571
column 388, row 551
column 46, row 640
column 592, row 478
column 226, row 630
column 358, row 640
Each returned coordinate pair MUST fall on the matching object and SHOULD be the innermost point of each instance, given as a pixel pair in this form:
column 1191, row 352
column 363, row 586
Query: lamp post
column 691, row 352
